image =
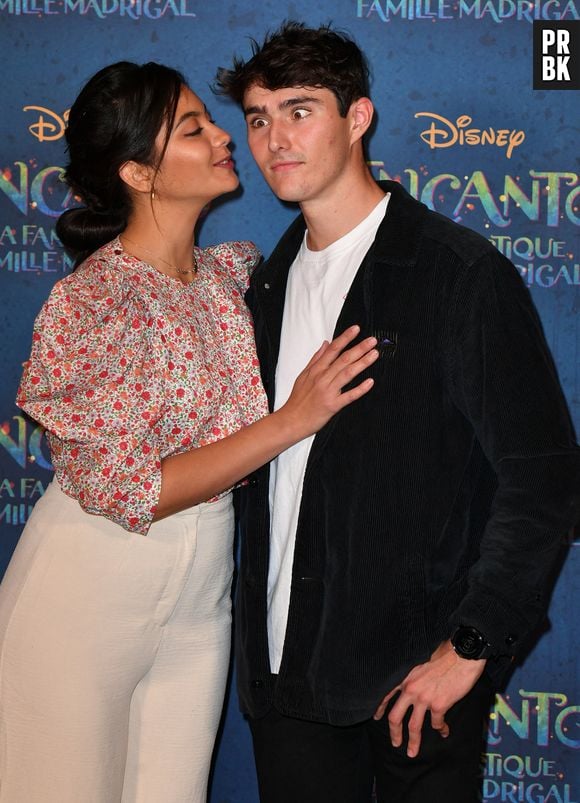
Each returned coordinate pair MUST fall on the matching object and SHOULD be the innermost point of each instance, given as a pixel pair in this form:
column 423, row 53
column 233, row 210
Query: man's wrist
column 470, row 643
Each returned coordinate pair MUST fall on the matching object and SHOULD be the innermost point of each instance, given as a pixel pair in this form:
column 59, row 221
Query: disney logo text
column 49, row 126
column 443, row 133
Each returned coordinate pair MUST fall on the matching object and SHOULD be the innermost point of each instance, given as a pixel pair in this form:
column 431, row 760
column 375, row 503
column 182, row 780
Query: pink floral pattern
column 129, row 365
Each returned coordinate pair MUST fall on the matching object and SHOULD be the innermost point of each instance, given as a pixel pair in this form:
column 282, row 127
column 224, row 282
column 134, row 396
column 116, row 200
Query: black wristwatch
column 469, row 643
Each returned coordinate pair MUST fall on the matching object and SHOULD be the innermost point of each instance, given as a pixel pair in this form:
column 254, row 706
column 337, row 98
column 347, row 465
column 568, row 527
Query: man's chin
column 284, row 191
column 287, row 195
column 290, row 198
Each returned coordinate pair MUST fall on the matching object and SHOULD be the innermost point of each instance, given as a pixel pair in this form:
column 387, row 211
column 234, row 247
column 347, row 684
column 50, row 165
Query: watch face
column 468, row 642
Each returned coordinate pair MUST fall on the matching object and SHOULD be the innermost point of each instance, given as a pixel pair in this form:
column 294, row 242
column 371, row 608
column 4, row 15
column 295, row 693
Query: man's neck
column 330, row 218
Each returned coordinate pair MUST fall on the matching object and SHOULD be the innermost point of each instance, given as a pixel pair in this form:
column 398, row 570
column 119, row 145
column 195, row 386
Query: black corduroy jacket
column 439, row 498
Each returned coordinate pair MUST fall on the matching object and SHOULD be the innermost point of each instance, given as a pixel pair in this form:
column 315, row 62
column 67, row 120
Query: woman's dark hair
column 115, row 119
column 295, row 55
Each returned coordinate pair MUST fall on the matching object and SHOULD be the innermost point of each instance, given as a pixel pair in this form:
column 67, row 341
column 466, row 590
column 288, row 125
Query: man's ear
column 361, row 113
column 137, row 176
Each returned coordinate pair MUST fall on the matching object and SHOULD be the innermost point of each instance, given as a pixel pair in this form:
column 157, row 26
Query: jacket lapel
column 269, row 285
column 377, row 296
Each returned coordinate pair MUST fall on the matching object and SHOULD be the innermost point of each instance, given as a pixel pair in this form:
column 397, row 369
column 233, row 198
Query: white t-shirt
column 318, row 284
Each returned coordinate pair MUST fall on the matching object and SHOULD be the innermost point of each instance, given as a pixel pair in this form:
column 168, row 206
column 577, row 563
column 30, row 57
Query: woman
column 115, row 646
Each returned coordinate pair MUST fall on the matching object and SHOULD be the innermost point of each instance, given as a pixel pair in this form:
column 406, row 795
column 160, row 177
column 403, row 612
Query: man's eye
column 300, row 114
column 258, row 122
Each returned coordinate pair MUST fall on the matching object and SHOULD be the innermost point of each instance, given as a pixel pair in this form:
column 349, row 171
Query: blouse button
column 266, row 286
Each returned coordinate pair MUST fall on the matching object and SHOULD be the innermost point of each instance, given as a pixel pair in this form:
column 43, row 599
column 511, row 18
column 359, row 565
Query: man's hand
column 434, row 686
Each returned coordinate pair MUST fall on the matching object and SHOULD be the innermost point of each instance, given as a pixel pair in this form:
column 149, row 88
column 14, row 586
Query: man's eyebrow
column 286, row 104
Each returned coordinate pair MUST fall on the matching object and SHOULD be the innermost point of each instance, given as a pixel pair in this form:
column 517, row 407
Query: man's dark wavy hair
column 295, row 55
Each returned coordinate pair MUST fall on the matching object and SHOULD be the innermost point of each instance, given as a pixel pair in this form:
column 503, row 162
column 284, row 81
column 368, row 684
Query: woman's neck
column 168, row 247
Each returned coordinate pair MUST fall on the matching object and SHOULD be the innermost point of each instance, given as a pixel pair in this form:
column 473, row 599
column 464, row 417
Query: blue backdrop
column 458, row 124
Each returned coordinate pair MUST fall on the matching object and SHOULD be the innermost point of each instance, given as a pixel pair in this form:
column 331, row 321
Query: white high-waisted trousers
column 114, row 651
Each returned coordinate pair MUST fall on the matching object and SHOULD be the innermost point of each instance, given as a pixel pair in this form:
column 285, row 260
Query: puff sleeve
column 238, row 259
column 91, row 382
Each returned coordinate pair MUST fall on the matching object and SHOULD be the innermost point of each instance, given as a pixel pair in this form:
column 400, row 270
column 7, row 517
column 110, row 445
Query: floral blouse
column 129, row 365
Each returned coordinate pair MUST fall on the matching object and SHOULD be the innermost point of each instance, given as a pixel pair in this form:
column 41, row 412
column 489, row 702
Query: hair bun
column 82, row 230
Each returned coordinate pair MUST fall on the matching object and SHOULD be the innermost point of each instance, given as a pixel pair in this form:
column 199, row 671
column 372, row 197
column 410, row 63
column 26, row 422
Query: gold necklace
column 183, row 271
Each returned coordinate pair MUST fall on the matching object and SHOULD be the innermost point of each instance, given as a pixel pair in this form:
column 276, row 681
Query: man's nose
column 278, row 136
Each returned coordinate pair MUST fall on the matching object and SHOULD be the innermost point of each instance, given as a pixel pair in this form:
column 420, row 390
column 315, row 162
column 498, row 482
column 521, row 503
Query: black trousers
column 308, row 762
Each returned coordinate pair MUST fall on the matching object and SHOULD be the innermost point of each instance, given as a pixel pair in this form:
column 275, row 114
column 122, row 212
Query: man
column 393, row 564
